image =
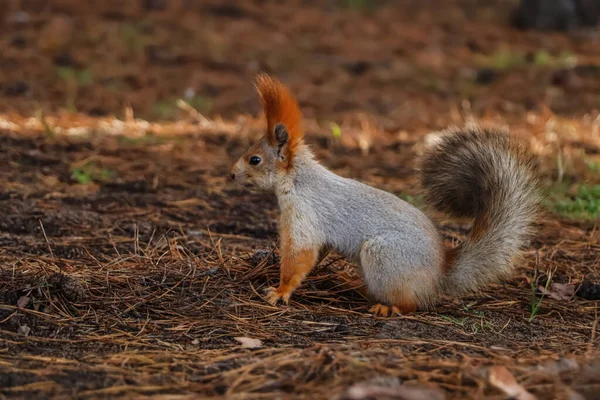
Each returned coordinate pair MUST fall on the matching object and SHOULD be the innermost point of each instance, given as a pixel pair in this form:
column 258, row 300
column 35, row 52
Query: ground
column 129, row 263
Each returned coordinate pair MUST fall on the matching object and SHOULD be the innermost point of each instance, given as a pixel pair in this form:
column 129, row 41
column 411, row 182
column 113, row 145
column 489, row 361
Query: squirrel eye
column 254, row 160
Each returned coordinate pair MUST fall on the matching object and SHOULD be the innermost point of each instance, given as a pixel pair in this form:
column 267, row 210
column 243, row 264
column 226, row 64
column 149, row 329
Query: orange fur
column 295, row 265
column 450, row 259
column 280, row 107
column 403, row 303
column 383, row 310
column 401, row 308
column 480, row 228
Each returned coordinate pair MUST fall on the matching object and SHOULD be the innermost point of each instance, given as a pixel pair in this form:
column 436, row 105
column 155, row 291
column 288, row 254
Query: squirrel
column 472, row 172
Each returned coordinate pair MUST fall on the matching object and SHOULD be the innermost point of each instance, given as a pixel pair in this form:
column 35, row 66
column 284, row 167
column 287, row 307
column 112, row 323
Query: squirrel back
column 486, row 175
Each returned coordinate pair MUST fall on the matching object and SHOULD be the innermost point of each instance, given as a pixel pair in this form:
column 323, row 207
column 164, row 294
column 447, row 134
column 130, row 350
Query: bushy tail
column 486, row 175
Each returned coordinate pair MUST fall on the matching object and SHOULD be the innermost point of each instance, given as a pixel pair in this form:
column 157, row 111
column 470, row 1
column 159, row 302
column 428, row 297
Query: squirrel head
column 272, row 156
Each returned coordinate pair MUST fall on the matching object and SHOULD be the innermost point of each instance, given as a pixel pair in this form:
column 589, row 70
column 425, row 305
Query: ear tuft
column 281, row 109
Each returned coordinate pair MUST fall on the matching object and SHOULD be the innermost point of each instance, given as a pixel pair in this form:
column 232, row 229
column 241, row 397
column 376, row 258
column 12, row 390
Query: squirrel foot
column 381, row 310
column 274, row 295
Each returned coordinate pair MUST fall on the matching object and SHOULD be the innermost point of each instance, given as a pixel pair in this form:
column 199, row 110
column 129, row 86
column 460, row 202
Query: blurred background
column 371, row 76
column 408, row 62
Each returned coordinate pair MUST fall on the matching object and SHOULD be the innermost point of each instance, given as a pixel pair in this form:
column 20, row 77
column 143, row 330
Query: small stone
column 154, row 5
column 17, row 88
column 97, row 112
column 71, row 288
column 485, row 76
column 358, row 67
column 23, row 301
column 18, row 41
column 64, row 60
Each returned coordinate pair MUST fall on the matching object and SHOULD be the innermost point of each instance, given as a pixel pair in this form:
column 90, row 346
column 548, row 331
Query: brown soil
column 137, row 283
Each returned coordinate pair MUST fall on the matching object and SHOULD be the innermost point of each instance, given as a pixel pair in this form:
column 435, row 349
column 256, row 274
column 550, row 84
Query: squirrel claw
column 273, row 296
column 380, row 310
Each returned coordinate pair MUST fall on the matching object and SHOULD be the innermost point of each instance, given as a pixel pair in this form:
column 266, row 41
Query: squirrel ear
column 281, row 109
column 281, row 135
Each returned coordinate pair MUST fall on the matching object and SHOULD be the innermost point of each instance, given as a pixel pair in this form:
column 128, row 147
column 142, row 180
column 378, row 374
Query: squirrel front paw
column 274, row 295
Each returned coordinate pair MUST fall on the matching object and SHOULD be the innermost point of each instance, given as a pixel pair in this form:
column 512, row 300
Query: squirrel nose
column 232, row 175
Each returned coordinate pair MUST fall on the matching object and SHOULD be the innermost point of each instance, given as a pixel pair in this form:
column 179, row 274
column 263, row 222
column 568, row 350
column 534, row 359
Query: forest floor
column 130, row 265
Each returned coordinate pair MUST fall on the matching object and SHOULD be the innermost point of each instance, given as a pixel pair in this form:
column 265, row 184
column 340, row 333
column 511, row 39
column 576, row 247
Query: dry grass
column 140, row 285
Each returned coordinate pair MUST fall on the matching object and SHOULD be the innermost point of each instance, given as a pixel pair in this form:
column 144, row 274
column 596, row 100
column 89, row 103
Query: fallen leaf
column 22, row 302
column 559, row 291
column 502, row 379
column 249, row 343
column 391, row 388
column 566, row 289
column 24, row 330
column 560, row 366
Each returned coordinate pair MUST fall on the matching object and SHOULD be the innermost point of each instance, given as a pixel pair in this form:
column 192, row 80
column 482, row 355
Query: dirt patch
column 131, row 265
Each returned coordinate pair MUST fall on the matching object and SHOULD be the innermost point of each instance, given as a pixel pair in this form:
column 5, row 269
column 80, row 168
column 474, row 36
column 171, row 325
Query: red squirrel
column 478, row 173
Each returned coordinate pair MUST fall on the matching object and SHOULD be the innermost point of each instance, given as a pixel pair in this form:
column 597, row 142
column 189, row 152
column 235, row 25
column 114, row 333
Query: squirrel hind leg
column 399, row 282
column 381, row 310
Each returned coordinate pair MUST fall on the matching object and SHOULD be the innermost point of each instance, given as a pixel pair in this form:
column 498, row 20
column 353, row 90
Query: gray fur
column 395, row 245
